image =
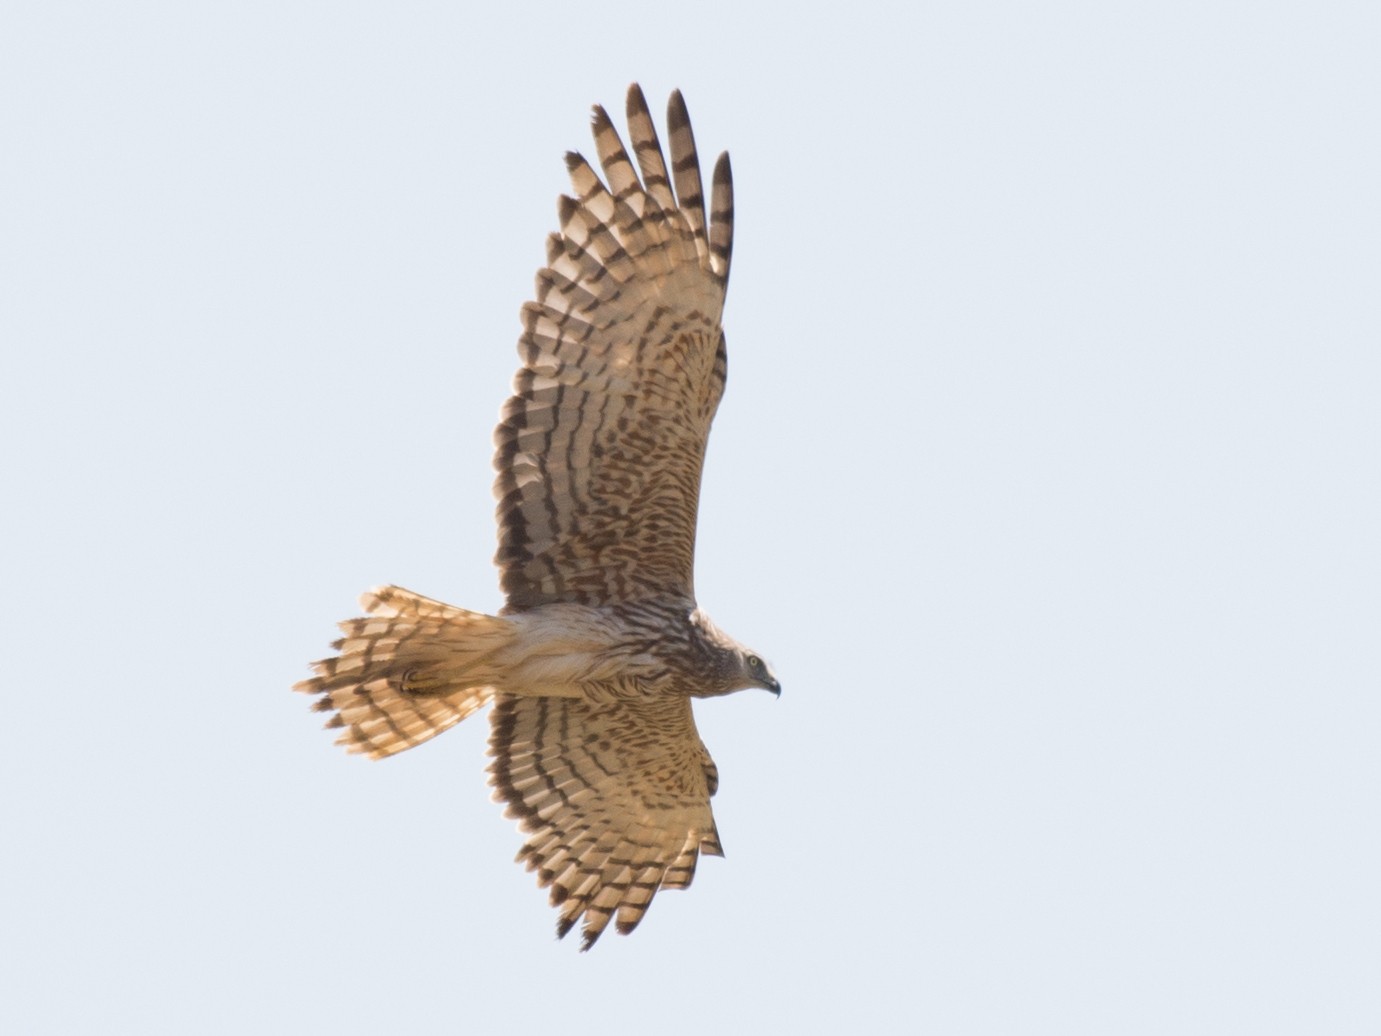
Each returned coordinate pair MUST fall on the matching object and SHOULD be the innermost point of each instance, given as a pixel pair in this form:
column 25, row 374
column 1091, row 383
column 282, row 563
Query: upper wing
column 615, row 800
column 599, row 450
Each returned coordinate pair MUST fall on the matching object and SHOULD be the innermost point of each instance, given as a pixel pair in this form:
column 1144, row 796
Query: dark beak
column 772, row 685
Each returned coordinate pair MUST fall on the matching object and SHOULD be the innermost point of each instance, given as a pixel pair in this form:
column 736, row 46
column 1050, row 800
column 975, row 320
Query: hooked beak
column 772, row 685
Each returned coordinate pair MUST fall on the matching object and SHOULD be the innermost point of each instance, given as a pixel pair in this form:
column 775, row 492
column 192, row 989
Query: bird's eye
column 754, row 663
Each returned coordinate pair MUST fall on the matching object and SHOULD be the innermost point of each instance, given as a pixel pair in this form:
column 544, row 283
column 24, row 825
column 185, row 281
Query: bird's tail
column 413, row 668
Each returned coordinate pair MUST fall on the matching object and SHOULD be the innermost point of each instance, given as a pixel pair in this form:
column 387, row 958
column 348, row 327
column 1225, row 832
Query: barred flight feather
column 623, row 369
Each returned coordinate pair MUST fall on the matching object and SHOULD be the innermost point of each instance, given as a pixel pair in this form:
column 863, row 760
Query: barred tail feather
column 414, row 668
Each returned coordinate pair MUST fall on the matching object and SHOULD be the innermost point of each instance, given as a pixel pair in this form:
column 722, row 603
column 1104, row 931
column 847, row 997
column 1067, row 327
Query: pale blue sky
column 1047, row 478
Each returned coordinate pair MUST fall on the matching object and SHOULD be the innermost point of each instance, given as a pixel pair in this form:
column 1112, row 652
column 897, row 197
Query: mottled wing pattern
column 614, row 798
column 599, row 450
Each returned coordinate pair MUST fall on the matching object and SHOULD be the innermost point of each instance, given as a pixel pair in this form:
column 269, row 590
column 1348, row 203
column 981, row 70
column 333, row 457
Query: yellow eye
column 754, row 663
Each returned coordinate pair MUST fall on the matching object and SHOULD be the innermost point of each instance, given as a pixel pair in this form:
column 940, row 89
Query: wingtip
column 678, row 116
column 723, row 170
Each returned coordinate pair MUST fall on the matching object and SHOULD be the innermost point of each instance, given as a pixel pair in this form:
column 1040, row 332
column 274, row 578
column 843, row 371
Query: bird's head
column 734, row 667
column 757, row 673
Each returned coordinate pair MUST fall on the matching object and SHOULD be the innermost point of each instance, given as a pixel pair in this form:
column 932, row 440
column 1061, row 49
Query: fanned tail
column 410, row 670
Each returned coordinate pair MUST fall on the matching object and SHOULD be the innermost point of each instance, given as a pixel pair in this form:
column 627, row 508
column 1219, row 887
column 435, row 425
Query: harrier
column 593, row 661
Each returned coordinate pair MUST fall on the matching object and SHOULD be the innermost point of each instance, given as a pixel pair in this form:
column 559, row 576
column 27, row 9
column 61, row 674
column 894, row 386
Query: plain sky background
column 1047, row 478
